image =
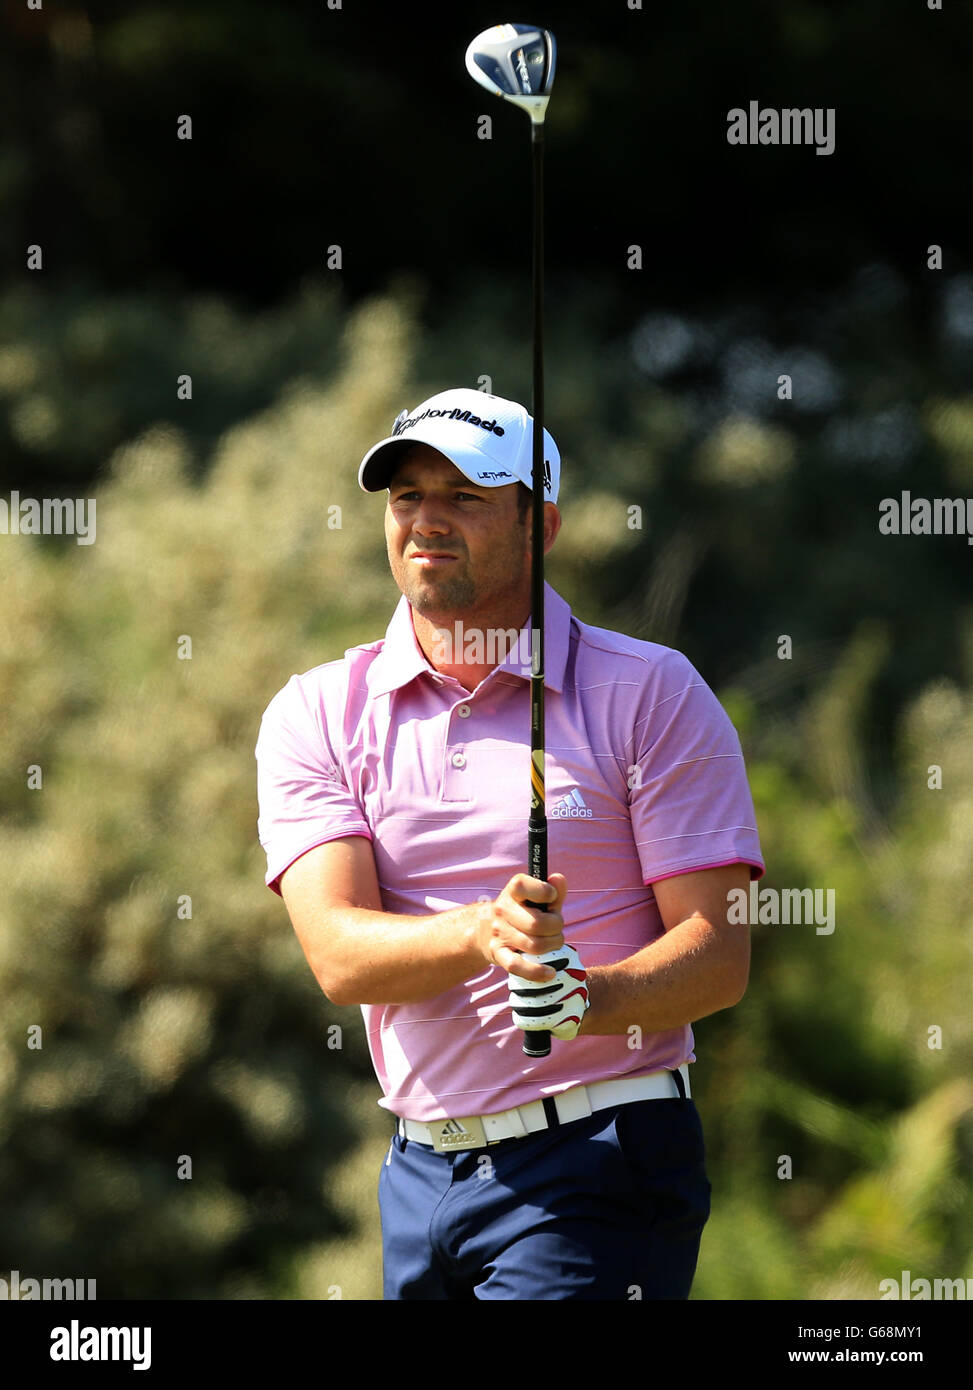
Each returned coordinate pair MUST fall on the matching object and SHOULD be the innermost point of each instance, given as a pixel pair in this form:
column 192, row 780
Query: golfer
column 393, row 789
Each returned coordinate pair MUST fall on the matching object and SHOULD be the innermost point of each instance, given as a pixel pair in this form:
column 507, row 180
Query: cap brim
column 376, row 468
column 379, row 463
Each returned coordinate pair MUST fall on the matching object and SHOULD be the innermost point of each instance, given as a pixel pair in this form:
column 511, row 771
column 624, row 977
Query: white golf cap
column 489, row 439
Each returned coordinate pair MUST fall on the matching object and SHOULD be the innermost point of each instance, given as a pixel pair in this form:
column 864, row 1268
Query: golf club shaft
column 537, row 1044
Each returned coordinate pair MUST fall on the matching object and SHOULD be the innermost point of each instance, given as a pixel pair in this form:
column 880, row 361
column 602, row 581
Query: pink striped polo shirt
column 645, row 779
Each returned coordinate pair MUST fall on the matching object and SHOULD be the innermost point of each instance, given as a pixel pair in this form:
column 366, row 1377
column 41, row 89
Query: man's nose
column 430, row 516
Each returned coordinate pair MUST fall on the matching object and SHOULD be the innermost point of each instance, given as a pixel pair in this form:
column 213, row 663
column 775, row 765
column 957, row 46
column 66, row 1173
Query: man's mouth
column 431, row 558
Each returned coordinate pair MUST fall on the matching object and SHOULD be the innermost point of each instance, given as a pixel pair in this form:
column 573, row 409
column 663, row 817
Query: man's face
column 434, row 512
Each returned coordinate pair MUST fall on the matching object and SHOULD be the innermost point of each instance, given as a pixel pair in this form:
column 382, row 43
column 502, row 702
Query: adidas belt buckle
column 448, row 1135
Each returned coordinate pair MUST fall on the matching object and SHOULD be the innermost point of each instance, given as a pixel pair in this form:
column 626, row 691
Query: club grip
column 537, row 1044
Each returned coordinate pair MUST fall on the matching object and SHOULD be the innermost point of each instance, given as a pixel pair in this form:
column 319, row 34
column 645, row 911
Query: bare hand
column 507, row 930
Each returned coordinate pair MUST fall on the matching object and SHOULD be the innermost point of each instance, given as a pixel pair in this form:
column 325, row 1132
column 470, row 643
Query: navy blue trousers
column 608, row 1207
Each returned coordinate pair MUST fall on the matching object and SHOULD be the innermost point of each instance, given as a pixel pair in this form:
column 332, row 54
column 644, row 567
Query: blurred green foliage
column 217, row 520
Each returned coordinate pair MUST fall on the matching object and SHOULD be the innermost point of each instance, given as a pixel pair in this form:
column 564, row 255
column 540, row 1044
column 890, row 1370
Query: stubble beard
column 441, row 598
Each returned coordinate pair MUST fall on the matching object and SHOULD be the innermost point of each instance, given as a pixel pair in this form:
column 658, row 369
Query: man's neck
column 469, row 650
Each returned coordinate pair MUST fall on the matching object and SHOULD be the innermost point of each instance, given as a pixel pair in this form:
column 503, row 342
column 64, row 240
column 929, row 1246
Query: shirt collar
column 402, row 659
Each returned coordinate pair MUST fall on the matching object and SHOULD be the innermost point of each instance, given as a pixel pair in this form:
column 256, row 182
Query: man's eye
column 464, row 496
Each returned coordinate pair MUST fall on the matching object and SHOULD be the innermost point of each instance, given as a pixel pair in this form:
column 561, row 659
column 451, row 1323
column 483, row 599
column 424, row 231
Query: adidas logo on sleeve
column 571, row 807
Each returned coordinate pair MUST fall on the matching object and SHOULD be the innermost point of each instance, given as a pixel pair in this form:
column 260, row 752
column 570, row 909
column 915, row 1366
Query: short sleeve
column 690, row 800
column 302, row 795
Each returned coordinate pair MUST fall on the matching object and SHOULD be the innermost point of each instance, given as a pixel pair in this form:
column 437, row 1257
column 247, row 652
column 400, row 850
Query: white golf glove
column 557, row 1005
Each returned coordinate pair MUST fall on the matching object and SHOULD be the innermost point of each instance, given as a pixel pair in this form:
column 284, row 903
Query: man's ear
column 552, row 524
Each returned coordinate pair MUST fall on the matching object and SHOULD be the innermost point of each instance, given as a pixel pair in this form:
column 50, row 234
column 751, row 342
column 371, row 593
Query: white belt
column 476, row 1131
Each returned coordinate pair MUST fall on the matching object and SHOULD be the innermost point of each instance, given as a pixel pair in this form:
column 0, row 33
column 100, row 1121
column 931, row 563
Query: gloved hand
column 558, row 1005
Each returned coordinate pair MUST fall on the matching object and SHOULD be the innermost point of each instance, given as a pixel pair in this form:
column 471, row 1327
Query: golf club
column 516, row 62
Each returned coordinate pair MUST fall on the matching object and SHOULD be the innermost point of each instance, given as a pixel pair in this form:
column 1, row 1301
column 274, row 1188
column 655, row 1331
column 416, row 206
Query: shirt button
column 458, row 760
column 463, row 711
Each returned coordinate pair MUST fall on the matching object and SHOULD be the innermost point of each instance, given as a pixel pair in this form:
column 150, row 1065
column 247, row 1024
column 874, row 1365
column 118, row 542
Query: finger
column 559, row 882
column 542, row 934
column 523, row 966
column 532, row 890
column 542, row 947
column 533, row 941
column 533, row 921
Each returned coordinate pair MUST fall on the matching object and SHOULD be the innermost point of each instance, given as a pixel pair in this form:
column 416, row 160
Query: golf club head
column 516, row 62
